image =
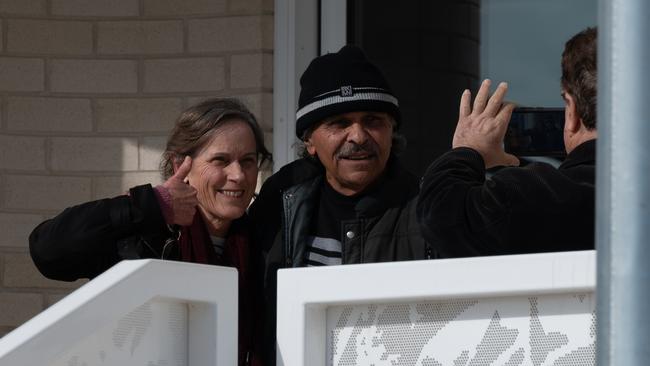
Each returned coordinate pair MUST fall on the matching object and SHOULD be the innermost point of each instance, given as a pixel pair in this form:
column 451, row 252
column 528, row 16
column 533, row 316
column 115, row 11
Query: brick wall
column 88, row 91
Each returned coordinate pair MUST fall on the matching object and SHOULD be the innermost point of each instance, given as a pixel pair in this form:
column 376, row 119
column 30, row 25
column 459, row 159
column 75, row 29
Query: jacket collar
column 393, row 189
column 584, row 153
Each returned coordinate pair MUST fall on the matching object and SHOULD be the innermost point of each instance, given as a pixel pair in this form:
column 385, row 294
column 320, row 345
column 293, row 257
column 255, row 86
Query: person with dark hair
column 348, row 200
column 198, row 215
column 536, row 208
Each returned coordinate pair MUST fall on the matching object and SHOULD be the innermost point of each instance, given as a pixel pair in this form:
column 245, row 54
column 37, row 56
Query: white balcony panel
column 534, row 309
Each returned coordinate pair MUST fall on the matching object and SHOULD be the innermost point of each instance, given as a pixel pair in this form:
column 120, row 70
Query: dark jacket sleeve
column 85, row 240
column 448, row 218
column 536, row 208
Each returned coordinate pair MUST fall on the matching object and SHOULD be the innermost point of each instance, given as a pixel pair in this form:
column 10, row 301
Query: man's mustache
column 351, row 148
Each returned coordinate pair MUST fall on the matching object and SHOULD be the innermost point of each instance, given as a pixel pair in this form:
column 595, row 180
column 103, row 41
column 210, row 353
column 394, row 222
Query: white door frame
column 296, row 44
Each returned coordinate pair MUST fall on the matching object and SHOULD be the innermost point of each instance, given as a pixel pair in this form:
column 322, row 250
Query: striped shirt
column 323, row 251
column 324, row 247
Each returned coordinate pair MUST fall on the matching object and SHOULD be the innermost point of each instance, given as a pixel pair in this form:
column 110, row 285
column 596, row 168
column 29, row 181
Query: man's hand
column 183, row 195
column 484, row 127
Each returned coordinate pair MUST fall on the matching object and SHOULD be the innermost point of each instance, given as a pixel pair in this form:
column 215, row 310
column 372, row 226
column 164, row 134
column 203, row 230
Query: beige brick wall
column 19, row 74
column 27, row 114
column 23, row 7
column 49, row 36
column 140, row 37
column 89, row 89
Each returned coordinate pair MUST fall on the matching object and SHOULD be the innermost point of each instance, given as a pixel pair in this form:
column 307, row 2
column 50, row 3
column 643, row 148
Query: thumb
column 184, row 169
column 511, row 160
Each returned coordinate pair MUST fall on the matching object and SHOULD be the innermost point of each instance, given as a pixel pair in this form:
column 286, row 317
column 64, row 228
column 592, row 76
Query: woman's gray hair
column 195, row 126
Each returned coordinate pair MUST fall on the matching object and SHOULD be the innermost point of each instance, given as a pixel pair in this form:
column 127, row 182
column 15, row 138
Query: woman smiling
column 198, row 214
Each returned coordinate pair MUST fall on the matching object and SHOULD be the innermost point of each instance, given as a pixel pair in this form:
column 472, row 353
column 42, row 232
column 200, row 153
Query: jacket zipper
column 287, row 241
column 429, row 252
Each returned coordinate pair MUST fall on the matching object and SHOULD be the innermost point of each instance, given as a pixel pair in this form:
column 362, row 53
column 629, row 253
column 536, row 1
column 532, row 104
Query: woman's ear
column 176, row 163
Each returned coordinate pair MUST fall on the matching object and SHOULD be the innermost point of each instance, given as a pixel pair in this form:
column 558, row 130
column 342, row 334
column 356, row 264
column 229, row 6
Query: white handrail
column 210, row 293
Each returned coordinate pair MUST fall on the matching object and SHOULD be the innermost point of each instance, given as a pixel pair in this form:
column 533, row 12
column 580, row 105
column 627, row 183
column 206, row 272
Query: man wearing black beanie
column 348, row 199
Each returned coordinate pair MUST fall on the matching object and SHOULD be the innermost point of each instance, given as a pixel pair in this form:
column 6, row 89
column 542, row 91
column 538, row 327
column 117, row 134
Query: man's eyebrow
column 334, row 118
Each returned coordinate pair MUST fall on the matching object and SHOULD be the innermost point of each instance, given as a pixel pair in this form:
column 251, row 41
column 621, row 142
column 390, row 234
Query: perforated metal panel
column 154, row 334
column 540, row 330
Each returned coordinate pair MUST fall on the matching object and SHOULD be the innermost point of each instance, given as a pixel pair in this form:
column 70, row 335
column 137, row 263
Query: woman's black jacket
column 85, row 240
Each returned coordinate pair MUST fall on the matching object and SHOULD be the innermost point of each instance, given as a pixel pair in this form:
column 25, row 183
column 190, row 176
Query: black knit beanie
column 342, row 82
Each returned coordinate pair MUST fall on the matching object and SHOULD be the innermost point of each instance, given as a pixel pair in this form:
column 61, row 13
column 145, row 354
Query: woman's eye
column 219, row 161
column 249, row 162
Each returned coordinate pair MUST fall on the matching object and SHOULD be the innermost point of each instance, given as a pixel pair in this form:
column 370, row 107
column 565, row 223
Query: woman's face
column 224, row 171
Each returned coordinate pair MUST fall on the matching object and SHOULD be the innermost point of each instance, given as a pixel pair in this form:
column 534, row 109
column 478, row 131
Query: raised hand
column 484, row 126
column 183, row 195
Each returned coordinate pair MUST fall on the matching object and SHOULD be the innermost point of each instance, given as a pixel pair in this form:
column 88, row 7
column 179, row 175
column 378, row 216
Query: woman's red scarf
column 196, row 247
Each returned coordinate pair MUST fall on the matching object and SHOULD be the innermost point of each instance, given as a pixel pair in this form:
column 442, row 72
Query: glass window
column 522, row 43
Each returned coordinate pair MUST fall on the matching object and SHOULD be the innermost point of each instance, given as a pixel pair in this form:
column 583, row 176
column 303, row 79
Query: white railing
column 145, row 312
column 504, row 310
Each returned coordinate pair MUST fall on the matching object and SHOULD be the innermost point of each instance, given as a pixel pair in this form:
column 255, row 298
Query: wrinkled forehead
column 232, row 135
column 351, row 116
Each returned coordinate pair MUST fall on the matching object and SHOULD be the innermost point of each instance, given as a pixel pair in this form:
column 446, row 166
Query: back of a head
column 579, row 73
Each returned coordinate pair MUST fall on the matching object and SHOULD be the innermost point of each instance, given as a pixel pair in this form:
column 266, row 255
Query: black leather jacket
column 386, row 227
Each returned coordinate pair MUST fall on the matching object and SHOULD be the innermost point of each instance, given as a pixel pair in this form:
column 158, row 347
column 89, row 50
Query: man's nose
column 357, row 133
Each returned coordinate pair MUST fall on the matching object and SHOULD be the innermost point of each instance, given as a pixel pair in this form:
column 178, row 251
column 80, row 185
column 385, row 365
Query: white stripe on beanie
column 336, row 99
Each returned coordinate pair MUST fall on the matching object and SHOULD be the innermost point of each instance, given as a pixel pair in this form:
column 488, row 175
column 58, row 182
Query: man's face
column 354, row 148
